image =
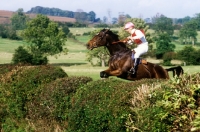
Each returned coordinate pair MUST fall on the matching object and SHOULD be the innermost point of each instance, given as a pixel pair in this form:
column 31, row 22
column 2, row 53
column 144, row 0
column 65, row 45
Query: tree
column 189, row 55
column 6, row 31
column 188, row 32
column 114, row 20
column 19, row 19
column 164, row 31
column 45, row 37
column 98, row 57
column 163, row 24
column 91, row 16
column 197, row 19
column 163, row 45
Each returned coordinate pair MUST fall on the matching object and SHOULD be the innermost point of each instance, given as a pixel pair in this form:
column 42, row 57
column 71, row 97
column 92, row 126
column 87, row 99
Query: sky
column 134, row 8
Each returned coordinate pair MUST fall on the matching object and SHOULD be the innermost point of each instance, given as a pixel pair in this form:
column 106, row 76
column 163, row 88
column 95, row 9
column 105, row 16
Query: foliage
column 163, row 25
column 189, row 55
column 164, row 30
column 19, row 86
column 43, row 98
column 6, row 31
column 102, row 105
column 197, row 19
column 163, row 45
column 139, row 24
column 65, row 29
column 167, row 57
column 105, row 115
column 79, row 15
column 54, row 101
column 19, row 19
column 45, row 37
column 170, row 106
column 21, row 55
column 188, row 32
column 98, row 57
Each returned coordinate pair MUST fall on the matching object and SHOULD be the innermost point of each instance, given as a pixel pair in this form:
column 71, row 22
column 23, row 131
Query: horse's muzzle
column 88, row 46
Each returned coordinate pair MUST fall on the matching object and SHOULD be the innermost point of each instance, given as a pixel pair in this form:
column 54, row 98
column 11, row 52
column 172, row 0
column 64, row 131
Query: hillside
column 6, row 15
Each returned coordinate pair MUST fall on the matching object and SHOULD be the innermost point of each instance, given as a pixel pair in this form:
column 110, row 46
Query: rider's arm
column 139, row 35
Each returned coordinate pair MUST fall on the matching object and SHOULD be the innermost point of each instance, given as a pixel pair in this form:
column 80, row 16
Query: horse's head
column 103, row 38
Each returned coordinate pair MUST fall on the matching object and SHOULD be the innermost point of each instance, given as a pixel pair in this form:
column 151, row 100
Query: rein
column 121, row 41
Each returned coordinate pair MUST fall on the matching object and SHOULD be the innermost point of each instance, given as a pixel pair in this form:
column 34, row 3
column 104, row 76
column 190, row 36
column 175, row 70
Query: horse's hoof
column 103, row 75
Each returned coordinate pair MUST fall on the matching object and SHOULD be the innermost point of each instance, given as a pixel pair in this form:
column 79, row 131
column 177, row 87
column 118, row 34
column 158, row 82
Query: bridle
column 95, row 43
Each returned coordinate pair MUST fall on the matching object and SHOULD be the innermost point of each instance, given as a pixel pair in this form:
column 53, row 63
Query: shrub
column 39, row 60
column 167, row 57
column 21, row 55
column 20, row 85
column 53, row 102
column 170, row 106
column 102, row 105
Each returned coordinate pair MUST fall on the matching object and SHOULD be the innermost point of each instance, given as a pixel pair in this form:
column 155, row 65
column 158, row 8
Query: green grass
column 9, row 46
column 85, row 30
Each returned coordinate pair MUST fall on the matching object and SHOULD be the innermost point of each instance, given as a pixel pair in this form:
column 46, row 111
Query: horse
column 120, row 61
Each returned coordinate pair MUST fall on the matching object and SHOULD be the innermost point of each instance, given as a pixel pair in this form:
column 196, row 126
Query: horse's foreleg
column 108, row 72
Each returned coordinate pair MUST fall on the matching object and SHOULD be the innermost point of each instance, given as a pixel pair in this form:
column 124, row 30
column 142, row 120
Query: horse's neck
column 114, row 48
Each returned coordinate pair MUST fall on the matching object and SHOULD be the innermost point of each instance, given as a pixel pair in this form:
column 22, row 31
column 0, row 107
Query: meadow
column 74, row 63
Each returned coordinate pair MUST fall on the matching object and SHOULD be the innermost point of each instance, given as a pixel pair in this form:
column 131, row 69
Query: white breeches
column 141, row 49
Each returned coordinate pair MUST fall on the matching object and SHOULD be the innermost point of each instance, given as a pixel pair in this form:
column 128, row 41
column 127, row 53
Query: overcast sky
column 135, row 8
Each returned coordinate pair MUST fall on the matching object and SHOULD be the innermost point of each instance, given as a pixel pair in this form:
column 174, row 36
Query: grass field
column 74, row 62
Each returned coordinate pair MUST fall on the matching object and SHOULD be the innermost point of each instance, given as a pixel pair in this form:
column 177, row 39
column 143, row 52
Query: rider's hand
column 130, row 38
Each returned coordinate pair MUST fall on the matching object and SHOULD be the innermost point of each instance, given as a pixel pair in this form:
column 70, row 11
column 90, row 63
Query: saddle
column 143, row 61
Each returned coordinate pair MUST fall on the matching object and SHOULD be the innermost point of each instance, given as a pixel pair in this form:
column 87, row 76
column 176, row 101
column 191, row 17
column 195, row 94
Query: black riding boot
column 134, row 68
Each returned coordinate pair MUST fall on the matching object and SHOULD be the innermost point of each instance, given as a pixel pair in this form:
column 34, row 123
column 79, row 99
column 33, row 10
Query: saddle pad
column 143, row 61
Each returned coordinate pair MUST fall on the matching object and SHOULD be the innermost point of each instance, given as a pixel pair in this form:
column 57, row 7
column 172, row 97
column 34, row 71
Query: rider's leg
column 134, row 68
column 139, row 50
column 136, row 62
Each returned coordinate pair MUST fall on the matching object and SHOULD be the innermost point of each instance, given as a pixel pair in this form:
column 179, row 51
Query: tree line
column 80, row 15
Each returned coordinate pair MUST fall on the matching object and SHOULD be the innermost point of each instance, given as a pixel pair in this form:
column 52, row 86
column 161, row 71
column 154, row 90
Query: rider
column 138, row 37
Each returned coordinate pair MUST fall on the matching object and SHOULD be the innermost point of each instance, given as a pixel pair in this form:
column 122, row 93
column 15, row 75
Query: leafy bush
column 53, row 102
column 170, row 106
column 44, row 98
column 167, row 57
column 21, row 55
column 20, row 85
column 189, row 55
column 102, row 105
column 39, row 60
column 6, row 31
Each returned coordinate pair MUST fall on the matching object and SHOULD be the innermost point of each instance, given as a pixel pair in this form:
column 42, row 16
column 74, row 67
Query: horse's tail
column 176, row 70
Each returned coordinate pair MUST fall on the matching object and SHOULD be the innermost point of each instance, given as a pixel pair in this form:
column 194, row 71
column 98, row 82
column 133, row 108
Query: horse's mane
column 116, row 39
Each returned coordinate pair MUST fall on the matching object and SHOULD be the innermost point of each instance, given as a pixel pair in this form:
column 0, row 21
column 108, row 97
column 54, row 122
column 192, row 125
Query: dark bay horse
column 120, row 61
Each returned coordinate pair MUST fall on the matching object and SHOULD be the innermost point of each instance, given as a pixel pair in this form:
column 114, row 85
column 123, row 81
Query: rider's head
column 129, row 25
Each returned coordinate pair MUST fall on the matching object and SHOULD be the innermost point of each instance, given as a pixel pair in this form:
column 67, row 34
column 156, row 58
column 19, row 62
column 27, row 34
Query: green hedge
column 103, row 105
column 44, row 98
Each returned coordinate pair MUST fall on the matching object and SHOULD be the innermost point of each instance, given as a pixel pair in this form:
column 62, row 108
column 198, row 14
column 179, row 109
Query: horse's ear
column 107, row 30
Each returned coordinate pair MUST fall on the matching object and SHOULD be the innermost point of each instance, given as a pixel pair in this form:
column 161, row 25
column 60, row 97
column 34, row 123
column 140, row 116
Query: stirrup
column 132, row 70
